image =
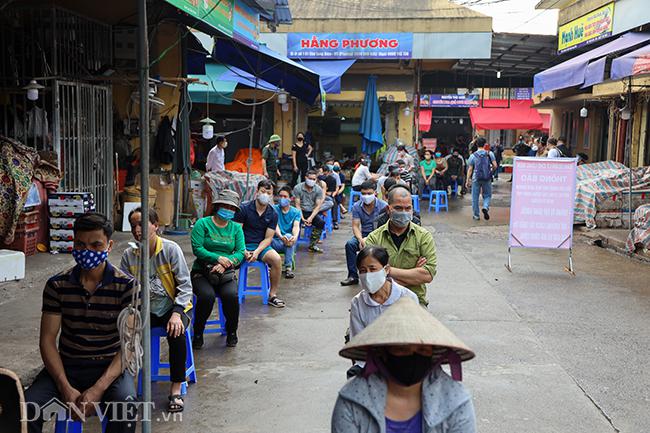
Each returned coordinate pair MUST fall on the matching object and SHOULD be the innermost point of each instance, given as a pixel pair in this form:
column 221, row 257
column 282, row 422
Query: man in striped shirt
column 81, row 306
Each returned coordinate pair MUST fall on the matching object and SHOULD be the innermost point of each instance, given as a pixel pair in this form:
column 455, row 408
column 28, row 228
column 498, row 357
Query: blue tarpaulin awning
column 634, row 63
column 212, row 86
column 371, row 129
column 330, row 72
column 242, row 77
column 271, row 67
column 578, row 71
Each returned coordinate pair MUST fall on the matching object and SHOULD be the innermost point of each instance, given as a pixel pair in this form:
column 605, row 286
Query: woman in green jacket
column 218, row 244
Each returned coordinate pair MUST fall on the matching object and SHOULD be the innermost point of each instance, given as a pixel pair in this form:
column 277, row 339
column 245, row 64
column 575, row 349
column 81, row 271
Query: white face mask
column 368, row 198
column 310, row 182
column 372, row 281
column 264, row 199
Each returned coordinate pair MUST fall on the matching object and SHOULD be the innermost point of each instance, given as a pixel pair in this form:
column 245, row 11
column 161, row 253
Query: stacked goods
column 65, row 207
column 26, row 235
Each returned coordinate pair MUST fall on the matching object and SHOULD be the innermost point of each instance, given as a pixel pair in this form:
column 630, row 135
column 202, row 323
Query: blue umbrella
column 370, row 129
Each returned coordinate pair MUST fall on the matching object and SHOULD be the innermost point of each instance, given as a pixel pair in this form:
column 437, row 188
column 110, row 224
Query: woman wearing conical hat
column 403, row 388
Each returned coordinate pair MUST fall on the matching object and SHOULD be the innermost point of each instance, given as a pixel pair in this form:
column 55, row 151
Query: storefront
column 322, row 34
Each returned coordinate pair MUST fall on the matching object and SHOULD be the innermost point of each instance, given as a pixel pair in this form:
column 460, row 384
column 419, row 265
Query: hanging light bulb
column 498, row 73
column 626, row 113
column 207, row 131
column 407, row 111
column 32, row 90
column 282, row 97
column 285, row 107
column 460, row 121
column 584, row 112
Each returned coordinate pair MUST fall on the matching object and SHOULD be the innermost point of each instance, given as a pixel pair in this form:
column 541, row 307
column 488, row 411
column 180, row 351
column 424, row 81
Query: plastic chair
column 353, row 194
column 72, row 426
column 265, row 282
column 217, row 326
column 329, row 226
column 426, row 193
column 156, row 365
column 416, row 203
column 438, row 200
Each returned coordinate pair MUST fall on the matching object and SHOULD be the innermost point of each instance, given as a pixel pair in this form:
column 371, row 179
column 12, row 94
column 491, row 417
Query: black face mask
column 408, row 370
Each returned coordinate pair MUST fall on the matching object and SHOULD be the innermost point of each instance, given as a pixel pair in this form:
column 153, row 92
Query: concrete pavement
column 555, row 353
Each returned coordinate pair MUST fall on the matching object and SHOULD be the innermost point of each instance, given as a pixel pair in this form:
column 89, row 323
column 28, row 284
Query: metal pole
column 143, row 57
column 249, row 161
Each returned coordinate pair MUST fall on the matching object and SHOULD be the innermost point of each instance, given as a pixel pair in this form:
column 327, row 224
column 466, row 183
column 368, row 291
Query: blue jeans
column 484, row 187
column 351, row 250
column 289, row 252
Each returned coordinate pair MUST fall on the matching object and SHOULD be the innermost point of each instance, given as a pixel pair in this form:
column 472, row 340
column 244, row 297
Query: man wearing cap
column 216, row 155
column 410, row 247
column 259, row 221
column 270, row 158
column 403, row 387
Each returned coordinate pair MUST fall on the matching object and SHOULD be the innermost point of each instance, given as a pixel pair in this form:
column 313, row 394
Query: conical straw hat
column 406, row 322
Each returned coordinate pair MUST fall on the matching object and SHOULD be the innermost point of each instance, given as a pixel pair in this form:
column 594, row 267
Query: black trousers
column 302, row 172
column 177, row 346
column 317, row 222
column 121, row 413
column 206, row 294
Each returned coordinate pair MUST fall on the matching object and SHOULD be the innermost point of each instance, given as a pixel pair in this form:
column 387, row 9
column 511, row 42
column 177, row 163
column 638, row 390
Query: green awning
column 220, row 91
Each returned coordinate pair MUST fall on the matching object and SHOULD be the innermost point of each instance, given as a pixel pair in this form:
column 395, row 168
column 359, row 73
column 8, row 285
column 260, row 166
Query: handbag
column 218, row 279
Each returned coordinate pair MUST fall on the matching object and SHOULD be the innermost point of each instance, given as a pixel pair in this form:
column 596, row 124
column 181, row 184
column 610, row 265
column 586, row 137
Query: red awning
column 546, row 121
column 495, row 114
column 425, row 120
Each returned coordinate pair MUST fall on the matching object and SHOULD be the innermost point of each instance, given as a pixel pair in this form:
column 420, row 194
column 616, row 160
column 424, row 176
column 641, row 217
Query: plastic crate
column 25, row 240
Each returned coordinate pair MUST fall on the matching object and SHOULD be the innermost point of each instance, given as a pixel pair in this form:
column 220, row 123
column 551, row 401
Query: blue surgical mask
column 89, row 259
column 226, row 214
column 284, row 202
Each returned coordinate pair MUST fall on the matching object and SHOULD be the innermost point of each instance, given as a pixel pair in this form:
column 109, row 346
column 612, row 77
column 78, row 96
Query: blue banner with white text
column 350, row 45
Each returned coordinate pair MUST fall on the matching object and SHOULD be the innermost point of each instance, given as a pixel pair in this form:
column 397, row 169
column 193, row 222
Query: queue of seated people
column 397, row 259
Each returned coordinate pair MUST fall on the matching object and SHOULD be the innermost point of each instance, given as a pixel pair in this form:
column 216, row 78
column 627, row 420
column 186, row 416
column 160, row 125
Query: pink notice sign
column 543, row 196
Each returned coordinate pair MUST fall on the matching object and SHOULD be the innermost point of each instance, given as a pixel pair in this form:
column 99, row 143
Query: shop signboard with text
column 450, row 101
column 589, row 28
column 246, row 28
column 216, row 13
column 350, row 45
column 543, row 197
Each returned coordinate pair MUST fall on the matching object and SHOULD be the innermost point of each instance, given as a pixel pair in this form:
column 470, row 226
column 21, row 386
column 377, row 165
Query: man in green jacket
column 411, row 248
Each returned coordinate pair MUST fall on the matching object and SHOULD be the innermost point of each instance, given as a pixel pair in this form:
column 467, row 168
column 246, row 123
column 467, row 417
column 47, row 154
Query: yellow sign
column 588, row 28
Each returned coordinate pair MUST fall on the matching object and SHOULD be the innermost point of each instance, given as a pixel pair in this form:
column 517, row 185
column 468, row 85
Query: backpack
column 482, row 166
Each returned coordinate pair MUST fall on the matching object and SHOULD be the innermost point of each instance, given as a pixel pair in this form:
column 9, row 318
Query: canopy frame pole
column 249, row 161
column 144, row 203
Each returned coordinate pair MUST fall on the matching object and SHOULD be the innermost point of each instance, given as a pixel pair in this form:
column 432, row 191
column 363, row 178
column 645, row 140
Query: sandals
column 276, row 302
column 176, row 403
column 288, row 273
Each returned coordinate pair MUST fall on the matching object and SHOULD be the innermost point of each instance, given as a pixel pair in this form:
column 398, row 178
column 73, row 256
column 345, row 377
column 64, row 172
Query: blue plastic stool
column 72, row 426
column 440, row 198
column 416, row 203
column 262, row 290
column 454, row 188
column 156, row 365
column 426, row 193
column 329, row 227
column 353, row 194
column 217, row 326
column 305, row 235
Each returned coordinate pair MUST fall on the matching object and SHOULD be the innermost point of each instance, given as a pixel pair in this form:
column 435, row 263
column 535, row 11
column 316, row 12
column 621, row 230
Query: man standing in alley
column 481, row 165
column 411, row 249
column 270, row 159
column 80, row 310
column 364, row 215
column 259, row 220
column 310, row 199
column 217, row 155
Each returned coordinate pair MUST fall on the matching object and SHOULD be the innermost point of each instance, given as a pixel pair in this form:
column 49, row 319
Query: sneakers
column 315, row 249
column 350, row 282
column 476, row 218
column 288, row 273
column 231, row 339
column 197, row 342
column 486, row 215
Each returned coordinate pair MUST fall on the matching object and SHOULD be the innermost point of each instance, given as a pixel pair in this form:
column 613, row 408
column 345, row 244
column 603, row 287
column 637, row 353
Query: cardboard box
column 61, row 246
column 62, row 223
column 61, row 235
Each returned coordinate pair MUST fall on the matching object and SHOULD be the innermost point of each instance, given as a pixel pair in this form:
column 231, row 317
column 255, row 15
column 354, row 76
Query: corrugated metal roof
column 379, row 9
column 283, row 14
